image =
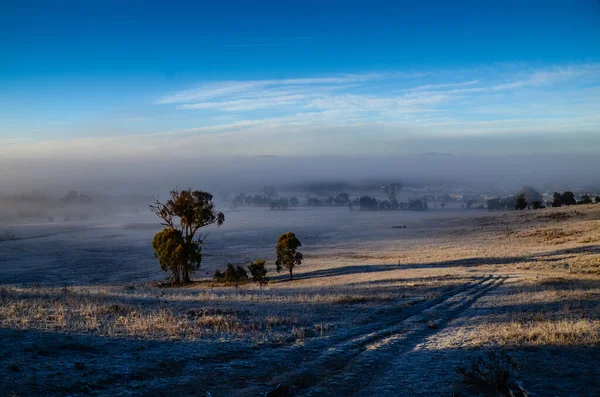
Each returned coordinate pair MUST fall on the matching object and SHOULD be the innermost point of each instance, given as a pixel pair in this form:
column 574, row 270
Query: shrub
column 537, row 204
column 218, row 276
column 492, row 372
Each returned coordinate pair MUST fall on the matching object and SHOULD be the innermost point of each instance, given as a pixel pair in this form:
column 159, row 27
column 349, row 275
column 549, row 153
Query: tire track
column 299, row 365
column 367, row 361
column 349, row 359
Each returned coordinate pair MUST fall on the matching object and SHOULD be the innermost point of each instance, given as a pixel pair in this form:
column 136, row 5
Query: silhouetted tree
column 177, row 247
column 597, row 200
column 287, row 254
column 294, row 202
column 494, row 204
column 313, row 202
column 384, row 205
column 443, row 205
column 235, row 275
column 342, row 199
column 568, row 198
column 218, row 276
column 585, row 199
column 556, row 199
column 259, row 272
column 280, row 204
column 367, row 203
column 416, row 205
column 537, row 204
column 521, row 201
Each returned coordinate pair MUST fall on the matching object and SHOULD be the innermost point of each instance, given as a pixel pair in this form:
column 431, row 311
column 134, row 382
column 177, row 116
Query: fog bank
column 151, row 176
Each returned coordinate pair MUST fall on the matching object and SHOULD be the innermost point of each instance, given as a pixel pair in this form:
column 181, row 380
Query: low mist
column 500, row 174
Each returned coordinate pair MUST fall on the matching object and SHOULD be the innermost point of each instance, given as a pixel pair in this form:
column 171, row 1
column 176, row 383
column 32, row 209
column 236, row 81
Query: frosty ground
column 376, row 308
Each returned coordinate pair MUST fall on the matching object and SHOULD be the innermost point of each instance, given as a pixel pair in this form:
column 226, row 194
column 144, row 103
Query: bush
column 218, row 276
column 493, row 372
column 537, row 204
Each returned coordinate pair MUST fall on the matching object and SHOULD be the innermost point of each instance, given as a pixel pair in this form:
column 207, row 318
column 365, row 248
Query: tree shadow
column 466, row 262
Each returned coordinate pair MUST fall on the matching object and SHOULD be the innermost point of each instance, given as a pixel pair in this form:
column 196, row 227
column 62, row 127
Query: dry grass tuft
column 555, row 311
column 583, row 332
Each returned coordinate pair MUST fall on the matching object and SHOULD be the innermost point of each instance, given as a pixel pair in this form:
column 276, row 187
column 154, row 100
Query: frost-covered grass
column 275, row 314
column 355, row 279
column 544, row 312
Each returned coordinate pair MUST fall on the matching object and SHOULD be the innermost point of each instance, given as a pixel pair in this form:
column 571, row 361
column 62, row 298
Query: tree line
column 270, row 198
column 529, row 198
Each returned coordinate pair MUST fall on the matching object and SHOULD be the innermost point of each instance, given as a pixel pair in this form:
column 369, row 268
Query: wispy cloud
column 250, row 88
column 383, row 96
column 248, row 104
column 443, row 86
column 300, row 115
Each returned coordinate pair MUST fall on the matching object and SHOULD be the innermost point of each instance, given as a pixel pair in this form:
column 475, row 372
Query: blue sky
column 297, row 78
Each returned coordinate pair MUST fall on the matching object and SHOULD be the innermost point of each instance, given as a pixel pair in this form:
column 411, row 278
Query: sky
column 129, row 80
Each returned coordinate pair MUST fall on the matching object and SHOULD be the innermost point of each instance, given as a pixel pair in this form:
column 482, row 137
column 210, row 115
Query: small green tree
column 178, row 247
column 169, row 249
column 259, row 272
column 235, row 275
column 287, row 254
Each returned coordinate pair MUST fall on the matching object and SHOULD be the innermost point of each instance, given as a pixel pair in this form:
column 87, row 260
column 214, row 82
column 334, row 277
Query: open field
column 373, row 309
